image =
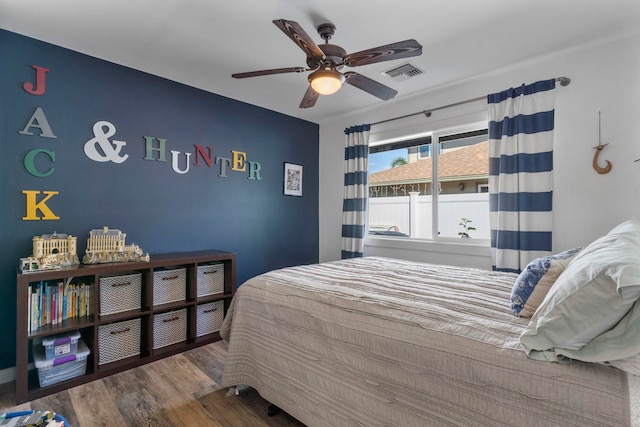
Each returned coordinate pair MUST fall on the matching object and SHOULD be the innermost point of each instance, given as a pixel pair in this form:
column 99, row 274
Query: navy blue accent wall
column 160, row 209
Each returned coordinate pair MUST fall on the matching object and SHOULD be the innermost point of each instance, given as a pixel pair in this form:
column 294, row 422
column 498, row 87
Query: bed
column 386, row 342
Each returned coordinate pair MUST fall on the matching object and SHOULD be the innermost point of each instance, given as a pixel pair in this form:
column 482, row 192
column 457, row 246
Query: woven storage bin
column 120, row 293
column 118, row 340
column 169, row 328
column 209, row 318
column 210, row 279
column 169, row 286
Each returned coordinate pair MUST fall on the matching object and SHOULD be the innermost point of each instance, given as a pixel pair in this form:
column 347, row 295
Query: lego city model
column 51, row 252
column 105, row 245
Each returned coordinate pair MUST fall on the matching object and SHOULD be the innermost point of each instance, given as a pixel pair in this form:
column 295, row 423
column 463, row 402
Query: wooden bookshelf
column 27, row 381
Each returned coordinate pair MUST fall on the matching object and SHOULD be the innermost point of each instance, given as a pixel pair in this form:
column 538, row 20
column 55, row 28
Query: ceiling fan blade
column 403, row 49
column 300, row 37
column 370, row 86
column 309, row 99
column 268, row 72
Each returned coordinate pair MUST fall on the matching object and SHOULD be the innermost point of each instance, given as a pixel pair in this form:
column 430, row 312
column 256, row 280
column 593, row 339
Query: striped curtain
column 354, row 204
column 520, row 174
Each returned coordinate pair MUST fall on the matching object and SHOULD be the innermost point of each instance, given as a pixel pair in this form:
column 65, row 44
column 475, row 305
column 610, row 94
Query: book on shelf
column 53, row 302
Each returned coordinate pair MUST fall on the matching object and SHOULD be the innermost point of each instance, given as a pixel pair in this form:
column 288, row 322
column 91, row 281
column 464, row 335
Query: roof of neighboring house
column 460, row 163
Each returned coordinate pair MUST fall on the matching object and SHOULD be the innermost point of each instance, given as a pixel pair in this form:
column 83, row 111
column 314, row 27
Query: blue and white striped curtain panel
column 354, row 204
column 521, row 124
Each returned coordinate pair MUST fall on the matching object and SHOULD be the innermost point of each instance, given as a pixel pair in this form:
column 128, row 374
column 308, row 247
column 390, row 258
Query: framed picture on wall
column 292, row 179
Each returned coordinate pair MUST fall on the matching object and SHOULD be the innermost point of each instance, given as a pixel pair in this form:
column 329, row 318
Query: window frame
column 434, row 136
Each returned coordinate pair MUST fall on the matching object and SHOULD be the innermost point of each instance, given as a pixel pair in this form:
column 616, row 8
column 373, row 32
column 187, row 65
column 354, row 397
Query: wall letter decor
column 33, row 206
column 39, row 88
column 38, row 120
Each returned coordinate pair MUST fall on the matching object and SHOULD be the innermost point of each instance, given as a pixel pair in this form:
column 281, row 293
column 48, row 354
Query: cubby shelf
column 27, row 384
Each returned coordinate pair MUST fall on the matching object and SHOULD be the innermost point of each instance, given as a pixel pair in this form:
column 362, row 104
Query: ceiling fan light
column 326, row 82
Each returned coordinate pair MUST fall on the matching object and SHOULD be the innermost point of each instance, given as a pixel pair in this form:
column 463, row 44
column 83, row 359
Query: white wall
column 605, row 77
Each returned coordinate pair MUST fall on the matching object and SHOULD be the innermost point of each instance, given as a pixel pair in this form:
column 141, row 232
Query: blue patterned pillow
column 535, row 280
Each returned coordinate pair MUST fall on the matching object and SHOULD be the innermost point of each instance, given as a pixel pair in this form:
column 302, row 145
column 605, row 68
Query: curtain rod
column 564, row 81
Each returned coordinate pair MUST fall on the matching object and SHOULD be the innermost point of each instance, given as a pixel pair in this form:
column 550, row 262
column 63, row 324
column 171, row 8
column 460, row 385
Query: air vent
column 403, row 72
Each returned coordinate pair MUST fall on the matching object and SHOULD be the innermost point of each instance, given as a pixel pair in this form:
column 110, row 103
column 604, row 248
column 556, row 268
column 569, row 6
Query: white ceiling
column 202, row 42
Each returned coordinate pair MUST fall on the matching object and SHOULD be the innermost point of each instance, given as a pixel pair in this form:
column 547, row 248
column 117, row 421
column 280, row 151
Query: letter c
column 30, row 158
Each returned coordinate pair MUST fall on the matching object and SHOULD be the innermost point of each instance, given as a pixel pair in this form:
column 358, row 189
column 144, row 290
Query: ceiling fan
column 327, row 60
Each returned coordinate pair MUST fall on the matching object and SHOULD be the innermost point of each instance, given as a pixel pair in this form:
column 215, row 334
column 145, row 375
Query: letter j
column 40, row 82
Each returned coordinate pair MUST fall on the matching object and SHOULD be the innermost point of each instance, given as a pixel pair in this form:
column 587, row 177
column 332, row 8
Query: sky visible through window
column 382, row 161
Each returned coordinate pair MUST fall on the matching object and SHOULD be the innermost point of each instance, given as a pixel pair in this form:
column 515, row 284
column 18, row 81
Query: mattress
column 384, row 342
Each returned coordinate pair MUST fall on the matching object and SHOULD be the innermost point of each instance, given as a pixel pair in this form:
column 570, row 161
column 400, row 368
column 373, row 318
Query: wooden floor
column 181, row 390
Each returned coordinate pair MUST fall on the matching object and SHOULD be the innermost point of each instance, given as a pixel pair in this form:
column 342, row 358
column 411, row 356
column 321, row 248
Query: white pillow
column 617, row 345
column 629, row 364
column 595, row 291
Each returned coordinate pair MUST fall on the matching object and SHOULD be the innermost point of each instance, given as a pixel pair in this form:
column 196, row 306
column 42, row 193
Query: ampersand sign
column 109, row 150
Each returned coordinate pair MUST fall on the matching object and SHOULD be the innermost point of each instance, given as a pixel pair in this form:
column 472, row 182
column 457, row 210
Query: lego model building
column 105, row 245
column 51, row 252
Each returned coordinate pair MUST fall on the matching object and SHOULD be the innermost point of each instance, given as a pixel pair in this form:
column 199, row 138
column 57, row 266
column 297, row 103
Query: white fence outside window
column 412, row 215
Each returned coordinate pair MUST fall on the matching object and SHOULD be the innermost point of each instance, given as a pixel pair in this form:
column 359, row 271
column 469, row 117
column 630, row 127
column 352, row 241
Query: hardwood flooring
column 181, row 390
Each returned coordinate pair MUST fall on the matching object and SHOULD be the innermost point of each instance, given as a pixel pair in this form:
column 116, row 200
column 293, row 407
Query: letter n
column 201, row 153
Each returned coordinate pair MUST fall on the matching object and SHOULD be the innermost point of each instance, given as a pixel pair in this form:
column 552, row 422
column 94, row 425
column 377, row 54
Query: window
column 424, row 151
column 420, row 193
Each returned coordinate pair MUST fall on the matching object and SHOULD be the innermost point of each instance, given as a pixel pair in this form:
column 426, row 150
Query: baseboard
column 7, row 375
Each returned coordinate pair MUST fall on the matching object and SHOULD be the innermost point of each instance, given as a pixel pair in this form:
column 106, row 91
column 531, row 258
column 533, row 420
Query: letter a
column 38, row 120
column 39, row 88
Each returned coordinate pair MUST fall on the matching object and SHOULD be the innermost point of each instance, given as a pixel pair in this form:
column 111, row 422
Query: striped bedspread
column 383, row 342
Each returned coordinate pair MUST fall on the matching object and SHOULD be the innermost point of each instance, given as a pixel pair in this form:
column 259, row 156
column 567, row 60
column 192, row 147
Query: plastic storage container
column 31, row 417
column 53, row 371
column 60, row 345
